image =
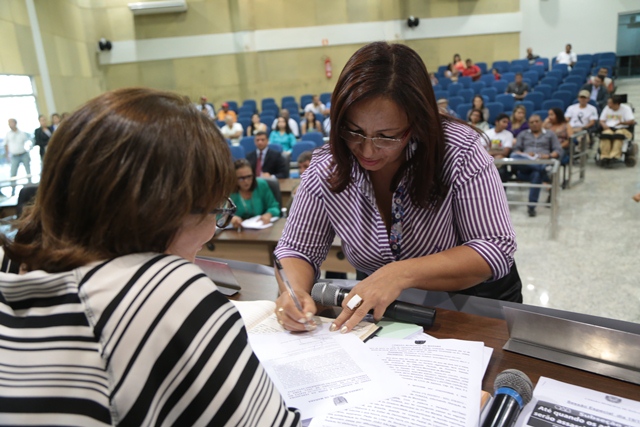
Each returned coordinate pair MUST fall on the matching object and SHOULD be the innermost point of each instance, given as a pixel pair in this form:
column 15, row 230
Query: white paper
column 254, row 223
column 320, row 372
column 445, row 378
column 556, row 403
column 254, row 312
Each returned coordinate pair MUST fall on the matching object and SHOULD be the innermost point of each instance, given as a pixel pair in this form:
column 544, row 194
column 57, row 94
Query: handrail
column 581, row 157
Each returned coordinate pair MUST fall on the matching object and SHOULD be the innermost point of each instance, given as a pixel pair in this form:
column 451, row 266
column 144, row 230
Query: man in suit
column 267, row 163
column 598, row 92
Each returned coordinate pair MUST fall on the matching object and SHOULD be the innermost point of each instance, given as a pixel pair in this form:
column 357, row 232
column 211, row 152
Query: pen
column 283, row 276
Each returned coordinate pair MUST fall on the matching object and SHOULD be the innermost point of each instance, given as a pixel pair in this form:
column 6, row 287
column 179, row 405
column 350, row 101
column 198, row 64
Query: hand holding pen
column 290, row 311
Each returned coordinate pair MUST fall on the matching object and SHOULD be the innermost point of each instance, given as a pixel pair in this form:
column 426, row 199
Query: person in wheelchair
column 616, row 119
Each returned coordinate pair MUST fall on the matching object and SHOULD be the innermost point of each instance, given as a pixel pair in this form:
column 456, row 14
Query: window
column 17, row 101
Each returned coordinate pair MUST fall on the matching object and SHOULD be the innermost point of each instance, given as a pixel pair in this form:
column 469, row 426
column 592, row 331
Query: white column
column 40, row 56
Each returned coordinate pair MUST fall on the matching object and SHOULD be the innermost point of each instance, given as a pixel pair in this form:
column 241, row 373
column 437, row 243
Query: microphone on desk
column 331, row 295
column 513, row 390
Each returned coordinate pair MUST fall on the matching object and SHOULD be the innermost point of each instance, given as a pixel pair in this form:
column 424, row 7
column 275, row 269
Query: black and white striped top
column 143, row 339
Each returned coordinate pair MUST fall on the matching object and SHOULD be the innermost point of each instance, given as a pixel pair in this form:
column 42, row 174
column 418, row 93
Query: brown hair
column 244, row 163
column 397, row 72
column 120, row 176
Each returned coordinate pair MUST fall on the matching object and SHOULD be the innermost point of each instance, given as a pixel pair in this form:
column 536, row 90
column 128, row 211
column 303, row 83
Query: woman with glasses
column 252, row 196
column 108, row 321
column 413, row 195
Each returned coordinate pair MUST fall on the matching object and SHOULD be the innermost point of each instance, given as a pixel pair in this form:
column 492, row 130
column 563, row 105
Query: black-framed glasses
column 244, row 178
column 224, row 213
column 382, row 143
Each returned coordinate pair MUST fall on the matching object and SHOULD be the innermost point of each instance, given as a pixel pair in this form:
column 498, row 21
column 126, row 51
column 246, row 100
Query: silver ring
column 354, row 302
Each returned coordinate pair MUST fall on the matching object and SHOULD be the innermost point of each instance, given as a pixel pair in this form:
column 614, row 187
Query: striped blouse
column 474, row 213
column 143, row 339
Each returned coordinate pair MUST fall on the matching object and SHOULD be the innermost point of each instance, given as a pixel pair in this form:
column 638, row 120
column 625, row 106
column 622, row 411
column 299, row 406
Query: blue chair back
column 306, row 99
column 454, row 101
column 292, row 107
column 237, row 151
column 495, row 108
column 544, row 88
column 524, row 63
column 245, row 122
column 542, row 113
column 549, row 81
column 575, row 79
column 248, row 143
column 276, row 147
column 287, row 99
column 488, row 79
column 325, row 97
column 462, row 109
column 564, row 96
column 465, row 81
column 490, row 93
column 444, row 82
column 267, row 117
column 300, row 147
column 586, row 57
column 441, row 94
column 220, row 123
column 564, row 68
column 536, row 98
column 454, row 88
column 508, row 77
column 544, row 62
column 477, row 86
column 442, row 69
column 233, row 106
column 583, row 64
column 552, row 103
column 538, row 69
column 515, row 69
column 501, row 66
column 606, row 63
column 500, row 85
column 572, row 88
column 482, row 66
column 506, row 100
column 467, row 94
column 315, row 137
column 250, row 104
column 556, row 74
column 532, row 76
column 246, row 110
column 528, row 105
column 268, row 103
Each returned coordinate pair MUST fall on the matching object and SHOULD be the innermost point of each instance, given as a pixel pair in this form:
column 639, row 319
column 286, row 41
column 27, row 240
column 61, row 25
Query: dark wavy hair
column 559, row 115
column 120, row 176
column 396, row 72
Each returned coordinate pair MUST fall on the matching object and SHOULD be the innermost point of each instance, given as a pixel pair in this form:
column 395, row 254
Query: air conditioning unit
column 154, row 7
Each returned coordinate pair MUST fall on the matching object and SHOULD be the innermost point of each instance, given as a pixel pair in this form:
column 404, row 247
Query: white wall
column 589, row 25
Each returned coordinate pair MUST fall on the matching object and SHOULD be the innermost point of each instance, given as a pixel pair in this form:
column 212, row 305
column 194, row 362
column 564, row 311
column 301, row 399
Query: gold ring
column 281, row 322
column 280, row 311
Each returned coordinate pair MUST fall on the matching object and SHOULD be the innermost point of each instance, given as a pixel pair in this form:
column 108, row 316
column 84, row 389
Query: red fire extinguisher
column 328, row 69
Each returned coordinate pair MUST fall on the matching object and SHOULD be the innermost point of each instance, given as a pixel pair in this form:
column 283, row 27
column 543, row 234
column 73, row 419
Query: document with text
column 445, row 379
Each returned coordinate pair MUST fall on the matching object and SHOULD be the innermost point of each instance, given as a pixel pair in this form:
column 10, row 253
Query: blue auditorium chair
column 237, row 152
column 552, row 103
column 483, row 67
column 536, row 98
column 576, row 80
column 477, row 86
column 556, row 74
column 292, row 107
column 248, row 143
column 532, row 76
column 306, row 99
column 606, row 63
column 538, row 69
column 454, row 88
column 564, row 96
column 466, row 94
column 461, row 110
column 501, row 66
column 490, row 93
column 325, row 97
column 582, row 64
column 524, row 63
column 500, row 85
column 244, row 121
column 488, row 79
column 515, row 69
column 250, row 104
column 587, row 57
column 495, row 108
column 439, row 94
column 465, row 81
column 444, row 82
column 454, row 101
column 545, row 63
column 300, row 147
column 528, row 105
column 315, row 137
column 564, row 68
column 276, row 147
column 544, row 88
column 508, row 77
column 233, row 106
column 442, row 69
column 572, row 88
column 549, row 81
column 287, row 99
column 542, row 113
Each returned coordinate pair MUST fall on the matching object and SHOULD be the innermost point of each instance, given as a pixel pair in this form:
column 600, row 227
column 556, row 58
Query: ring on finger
column 354, row 302
column 281, row 322
column 280, row 311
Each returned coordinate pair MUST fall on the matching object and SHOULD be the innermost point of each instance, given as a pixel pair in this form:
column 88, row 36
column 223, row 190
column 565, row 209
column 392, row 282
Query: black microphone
column 331, row 295
column 513, row 390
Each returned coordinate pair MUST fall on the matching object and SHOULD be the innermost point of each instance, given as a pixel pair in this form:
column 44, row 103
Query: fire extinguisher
column 328, row 69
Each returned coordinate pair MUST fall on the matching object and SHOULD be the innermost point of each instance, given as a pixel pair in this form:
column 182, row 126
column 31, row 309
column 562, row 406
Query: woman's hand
column 293, row 319
column 266, row 218
column 236, row 221
column 377, row 292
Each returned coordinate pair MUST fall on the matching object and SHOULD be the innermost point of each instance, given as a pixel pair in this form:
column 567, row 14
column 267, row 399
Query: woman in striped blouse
column 109, row 322
column 413, row 195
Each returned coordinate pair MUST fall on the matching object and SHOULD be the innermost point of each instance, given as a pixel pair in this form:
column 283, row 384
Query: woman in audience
column 557, row 123
column 282, row 135
column 518, row 121
column 476, row 118
column 478, row 104
column 252, row 196
column 255, row 125
column 408, row 192
column 458, row 64
column 42, row 135
column 451, row 73
column 108, row 316
column 310, row 123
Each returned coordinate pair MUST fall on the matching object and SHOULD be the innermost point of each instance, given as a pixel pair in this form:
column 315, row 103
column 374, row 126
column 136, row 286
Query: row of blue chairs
column 240, row 151
column 250, row 106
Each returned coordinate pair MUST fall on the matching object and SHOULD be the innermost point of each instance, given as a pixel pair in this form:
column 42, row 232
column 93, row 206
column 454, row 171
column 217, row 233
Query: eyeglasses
column 244, row 178
column 224, row 213
column 382, row 143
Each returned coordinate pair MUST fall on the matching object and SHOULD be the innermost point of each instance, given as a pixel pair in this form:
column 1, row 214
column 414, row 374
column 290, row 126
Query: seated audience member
column 433, row 78
column 452, row 73
column 315, row 105
column 41, row 135
column 267, row 163
column 606, row 81
column 252, row 197
column 556, row 123
column 225, row 111
column 458, row 65
column 443, row 107
column 538, row 143
column 582, row 116
column 326, row 126
column 472, row 70
column 256, row 126
column 108, row 316
column 496, row 74
column 310, row 123
column 531, row 57
column 232, row 130
column 55, row 121
column 205, row 107
column 304, row 160
column 477, row 120
column 518, row 88
column 518, row 121
column 567, row 57
column 282, row 135
column 293, row 125
column 597, row 92
column 478, row 104
column 500, row 138
column 615, row 121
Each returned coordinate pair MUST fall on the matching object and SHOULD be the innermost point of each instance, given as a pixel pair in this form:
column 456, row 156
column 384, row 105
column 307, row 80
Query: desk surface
column 287, row 184
column 493, row 332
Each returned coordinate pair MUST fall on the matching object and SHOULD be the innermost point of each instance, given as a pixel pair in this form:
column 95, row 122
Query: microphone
column 331, row 295
column 513, row 390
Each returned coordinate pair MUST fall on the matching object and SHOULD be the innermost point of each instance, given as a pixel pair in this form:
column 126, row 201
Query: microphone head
column 325, row 294
column 516, row 380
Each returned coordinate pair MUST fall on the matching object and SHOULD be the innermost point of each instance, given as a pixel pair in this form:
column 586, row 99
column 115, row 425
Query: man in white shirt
column 615, row 120
column 232, row 130
column 316, row 106
column 16, row 146
column 501, row 141
column 205, row 107
column 582, row 116
column 293, row 125
column 567, row 57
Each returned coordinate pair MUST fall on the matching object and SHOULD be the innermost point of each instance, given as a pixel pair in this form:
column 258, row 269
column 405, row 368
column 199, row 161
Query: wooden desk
column 286, row 186
column 257, row 246
column 464, row 326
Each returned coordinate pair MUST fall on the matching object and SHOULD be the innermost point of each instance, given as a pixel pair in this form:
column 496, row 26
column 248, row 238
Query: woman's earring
column 414, row 146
